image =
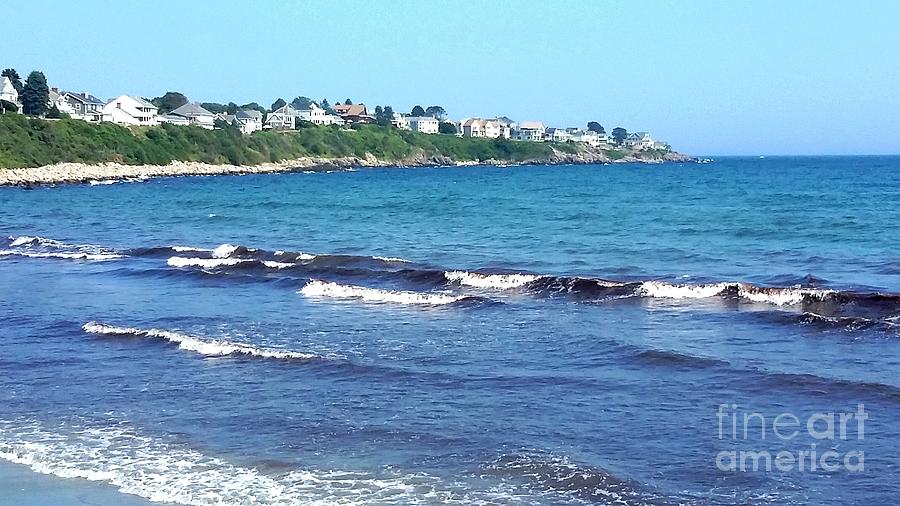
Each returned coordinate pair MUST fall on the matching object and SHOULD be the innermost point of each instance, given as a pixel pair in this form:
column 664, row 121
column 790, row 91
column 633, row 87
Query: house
column 639, row 140
column 9, row 93
column 131, row 110
column 507, row 127
column 283, row 118
column 471, row 127
column 317, row 116
column 59, row 101
column 248, row 121
column 557, row 135
column 492, row 128
column 173, row 120
column 85, row 106
column 423, row 124
column 400, row 121
column 354, row 113
column 195, row 115
column 531, row 131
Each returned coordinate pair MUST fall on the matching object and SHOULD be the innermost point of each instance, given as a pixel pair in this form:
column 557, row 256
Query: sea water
column 520, row 335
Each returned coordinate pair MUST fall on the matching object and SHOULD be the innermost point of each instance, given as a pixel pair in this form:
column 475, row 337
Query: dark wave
column 560, row 474
column 670, row 358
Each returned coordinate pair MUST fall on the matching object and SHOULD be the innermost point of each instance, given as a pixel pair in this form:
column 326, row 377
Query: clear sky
column 711, row 77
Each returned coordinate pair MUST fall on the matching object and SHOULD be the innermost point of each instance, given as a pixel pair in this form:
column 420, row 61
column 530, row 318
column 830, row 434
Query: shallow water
column 526, row 335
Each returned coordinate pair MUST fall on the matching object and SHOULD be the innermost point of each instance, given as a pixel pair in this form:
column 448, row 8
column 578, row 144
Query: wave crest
column 200, row 345
column 492, row 281
column 316, row 288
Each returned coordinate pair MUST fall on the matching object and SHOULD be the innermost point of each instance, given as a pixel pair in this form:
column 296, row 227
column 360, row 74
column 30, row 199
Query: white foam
column 278, row 265
column 164, row 471
column 62, row 254
column 224, row 251
column 305, row 256
column 669, row 291
column 316, row 288
column 183, row 249
column 780, row 296
column 392, row 259
column 203, row 346
column 495, row 281
column 205, row 263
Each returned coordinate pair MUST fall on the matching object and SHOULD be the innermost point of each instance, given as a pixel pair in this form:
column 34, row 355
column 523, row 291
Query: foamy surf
column 201, row 345
column 490, row 281
column 764, row 295
column 42, row 247
column 316, row 288
column 164, row 471
column 205, row 263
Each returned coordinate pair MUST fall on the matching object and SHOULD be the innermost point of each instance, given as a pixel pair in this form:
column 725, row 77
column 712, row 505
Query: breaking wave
column 205, row 263
column 316, row 288
column 165, row 471
column 493, row 281
column 203, row 346
column 42, row 247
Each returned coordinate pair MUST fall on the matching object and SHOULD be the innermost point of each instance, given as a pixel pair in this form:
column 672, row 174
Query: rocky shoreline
column 81, row 173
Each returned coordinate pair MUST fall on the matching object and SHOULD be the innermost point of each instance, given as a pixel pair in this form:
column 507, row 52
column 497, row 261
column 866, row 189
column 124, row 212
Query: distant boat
column 761, row 157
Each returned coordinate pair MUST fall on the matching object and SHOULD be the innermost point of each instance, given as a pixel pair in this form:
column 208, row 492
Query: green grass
column 30, row 142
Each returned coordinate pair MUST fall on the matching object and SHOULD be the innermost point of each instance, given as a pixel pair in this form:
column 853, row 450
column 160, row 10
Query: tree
column 169, row 102
column 436, row 112
column 593, row 126
column 387, row 116
column 231, row 108
column 253, row 106
column 278, row 104
column 379, row 112
column 35, row 95
column 55, row 113
column 417, row 111
column 348, row 102
column 214, row 107
column 301, row 103
column 327, row 106
column 619, row 134
column 445, row 127
column 14, row 78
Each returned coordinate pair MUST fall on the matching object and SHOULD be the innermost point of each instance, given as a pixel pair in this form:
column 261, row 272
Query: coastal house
column 196, row 115
column 283, row 118
column 588, row 137
column 400, row 121
column 86, row 107
column 532, row 131
column 59, row 101
column 171, row 119
column 471, row 127
column 9, row 93
column 639, row 140
column 557, row 135
column 354, row 113
column 248, row 121
column 423, row 124
column 317, row 115
column 131, row 110
column 507, row 127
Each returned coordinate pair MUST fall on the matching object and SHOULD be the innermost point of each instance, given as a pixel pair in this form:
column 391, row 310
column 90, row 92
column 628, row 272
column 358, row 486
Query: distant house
column 86, row 106
column 248, row 121
column 507, row 127
column 317, row 116
column 9, row 93
column 195, row 115
column 531, row 131
column 354, row 113
column 472, row 127
column 423, row 124
column 173, row 120
column 400, row 121
column 492, row 128
column 557, row 135
column 639, row 140
column 283, row 118
column 131, row 110
column 59, row 101
column 588, row 137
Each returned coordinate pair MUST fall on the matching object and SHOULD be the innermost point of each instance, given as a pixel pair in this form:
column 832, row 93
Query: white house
column 507, row 127
column 248, row 121
column 639, row 140
column 557, row 135
column 492, row 128
column 131, row 110
column 401, row 121
column 316, row 115
column 283, row 118
column 9, row 93
column 531, row 131
column 86, row 106
column 174, row 120
column 471, row 127
column 423, row 124
column 195, row 115
column 59, row 101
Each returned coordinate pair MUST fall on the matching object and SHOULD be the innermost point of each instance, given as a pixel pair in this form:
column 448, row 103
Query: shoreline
column 84, row 173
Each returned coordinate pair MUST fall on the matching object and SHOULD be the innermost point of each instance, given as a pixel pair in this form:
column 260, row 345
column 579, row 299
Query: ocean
column 621, row 334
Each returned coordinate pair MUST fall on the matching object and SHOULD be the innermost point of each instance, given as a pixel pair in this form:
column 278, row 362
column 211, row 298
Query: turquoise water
column 522, row 335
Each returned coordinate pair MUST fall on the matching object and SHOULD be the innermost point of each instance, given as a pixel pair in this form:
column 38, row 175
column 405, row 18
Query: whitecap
column 201, row 345
column 494, row 281
column 392, row 259
column 224, row 250
column 62, row 254
column 661, row 289
column 205, row 263
column 316, row 288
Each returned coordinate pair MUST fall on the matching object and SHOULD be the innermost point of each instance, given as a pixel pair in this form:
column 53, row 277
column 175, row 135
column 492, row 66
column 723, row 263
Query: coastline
column 85, row 173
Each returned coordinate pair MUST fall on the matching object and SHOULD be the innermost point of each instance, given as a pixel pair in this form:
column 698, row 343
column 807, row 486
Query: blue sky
column 711, row 77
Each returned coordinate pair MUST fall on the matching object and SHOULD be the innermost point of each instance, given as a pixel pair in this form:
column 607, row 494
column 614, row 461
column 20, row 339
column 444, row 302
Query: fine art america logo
column 819, row 442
